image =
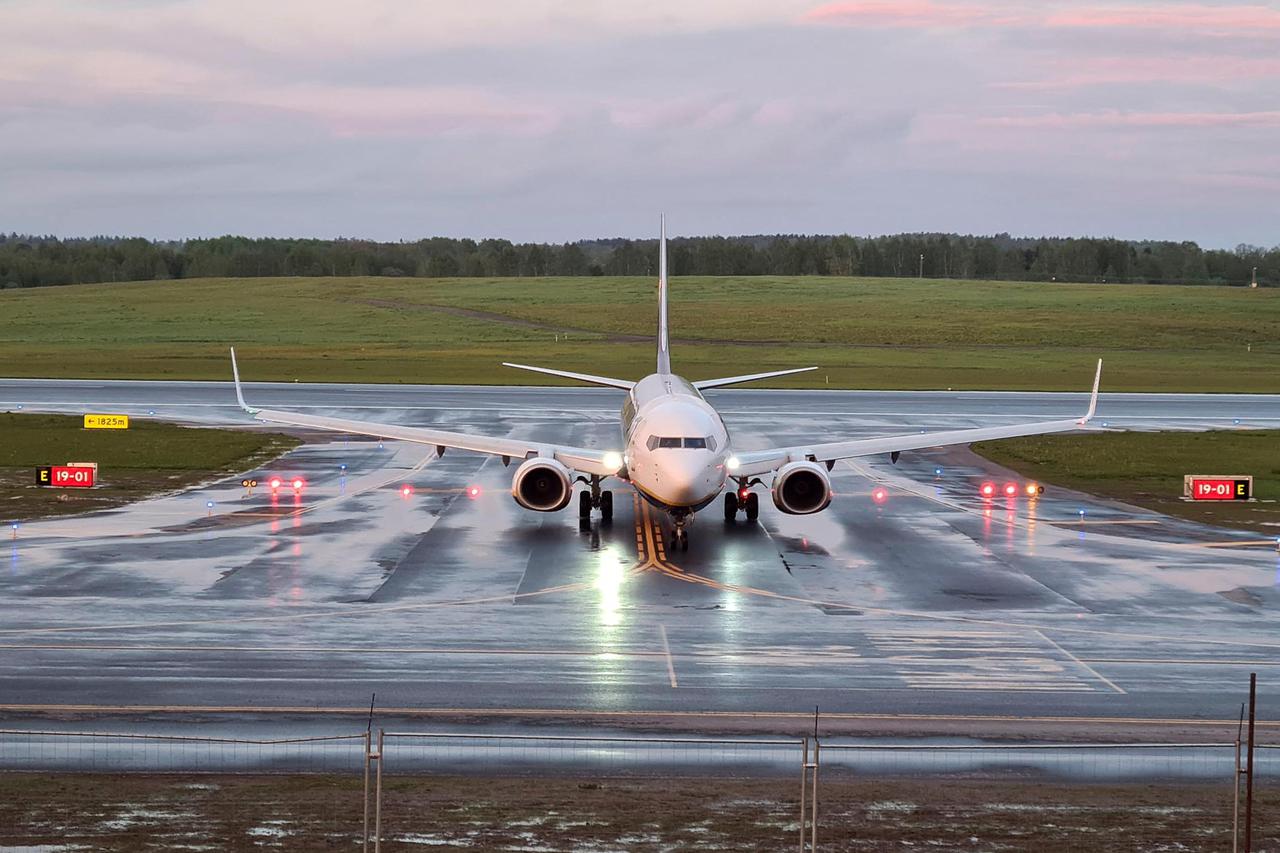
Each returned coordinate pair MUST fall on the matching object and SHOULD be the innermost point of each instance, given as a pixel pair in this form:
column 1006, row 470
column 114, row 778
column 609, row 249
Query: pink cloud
column 1073, row 74
column 925, row 14
column 1116, row 119
column 915, row 14
column 1197, row 18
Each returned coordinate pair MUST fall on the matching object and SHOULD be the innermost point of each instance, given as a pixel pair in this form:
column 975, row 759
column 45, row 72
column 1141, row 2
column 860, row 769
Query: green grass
column 1146, row 469
column 146, row 459
column 863, row 333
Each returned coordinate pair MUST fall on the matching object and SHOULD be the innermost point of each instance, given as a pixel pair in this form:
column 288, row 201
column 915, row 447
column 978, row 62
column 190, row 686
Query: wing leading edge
column 586, row 460
column 764, row 461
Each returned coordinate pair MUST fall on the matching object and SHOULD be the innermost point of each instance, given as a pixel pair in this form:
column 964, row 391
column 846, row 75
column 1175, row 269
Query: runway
column 933, row 604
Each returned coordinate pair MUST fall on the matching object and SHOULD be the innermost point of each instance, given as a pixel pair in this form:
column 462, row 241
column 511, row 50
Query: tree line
column 35, row 261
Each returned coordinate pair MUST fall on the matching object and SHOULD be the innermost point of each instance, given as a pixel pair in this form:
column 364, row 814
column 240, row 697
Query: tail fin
column 664, row 351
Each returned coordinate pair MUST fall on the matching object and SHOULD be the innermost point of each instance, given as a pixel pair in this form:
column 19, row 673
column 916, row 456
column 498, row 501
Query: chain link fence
column 401, row 790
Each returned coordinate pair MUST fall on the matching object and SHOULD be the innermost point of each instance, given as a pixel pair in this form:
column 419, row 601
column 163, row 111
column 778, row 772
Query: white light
column 732, row 463
column 612, row 460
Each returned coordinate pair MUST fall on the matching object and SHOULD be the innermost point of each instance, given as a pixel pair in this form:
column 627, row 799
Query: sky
column 558, row 120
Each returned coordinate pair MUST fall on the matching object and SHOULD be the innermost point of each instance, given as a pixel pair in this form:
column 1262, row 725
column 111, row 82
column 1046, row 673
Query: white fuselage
column 676, row 445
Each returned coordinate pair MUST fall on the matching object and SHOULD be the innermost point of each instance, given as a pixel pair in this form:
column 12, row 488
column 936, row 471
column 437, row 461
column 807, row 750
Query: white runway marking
column 666, row 647
column 1097, row 674
column 975, row 660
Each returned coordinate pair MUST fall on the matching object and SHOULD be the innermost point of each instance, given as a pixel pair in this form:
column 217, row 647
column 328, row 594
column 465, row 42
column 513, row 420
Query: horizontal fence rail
column 23, row 749
column 463, row 752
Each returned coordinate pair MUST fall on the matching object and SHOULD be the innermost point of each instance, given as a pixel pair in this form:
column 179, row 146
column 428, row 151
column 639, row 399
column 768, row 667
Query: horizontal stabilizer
column 624, row 384
column 751, row 377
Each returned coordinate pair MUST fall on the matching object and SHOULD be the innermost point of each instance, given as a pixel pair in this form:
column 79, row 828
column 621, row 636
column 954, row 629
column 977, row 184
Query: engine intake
column 542, row 485
column 801, row 488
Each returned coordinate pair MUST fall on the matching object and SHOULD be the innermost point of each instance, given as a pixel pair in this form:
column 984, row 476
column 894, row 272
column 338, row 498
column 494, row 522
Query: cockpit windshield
column 689, row 443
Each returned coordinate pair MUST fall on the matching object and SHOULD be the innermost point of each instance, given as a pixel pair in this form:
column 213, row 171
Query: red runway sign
column 71, row 476
column 1220, row 488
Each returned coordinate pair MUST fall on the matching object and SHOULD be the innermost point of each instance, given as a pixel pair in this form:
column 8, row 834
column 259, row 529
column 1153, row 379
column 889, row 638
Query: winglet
column 1093, row 399
column 235, row 373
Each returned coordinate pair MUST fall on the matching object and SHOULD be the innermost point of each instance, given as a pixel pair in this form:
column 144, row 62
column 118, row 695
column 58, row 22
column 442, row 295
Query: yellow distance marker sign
column 106, row 421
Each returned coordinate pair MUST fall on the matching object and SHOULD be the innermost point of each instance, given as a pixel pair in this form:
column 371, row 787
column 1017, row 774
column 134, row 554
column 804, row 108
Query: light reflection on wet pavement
column 932, row 602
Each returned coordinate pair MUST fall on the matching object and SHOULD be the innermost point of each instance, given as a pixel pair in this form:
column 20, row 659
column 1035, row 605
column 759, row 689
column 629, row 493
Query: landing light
column 732, row 463
column 612, row 461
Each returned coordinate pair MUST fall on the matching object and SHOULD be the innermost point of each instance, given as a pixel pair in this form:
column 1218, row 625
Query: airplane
column 676, row 450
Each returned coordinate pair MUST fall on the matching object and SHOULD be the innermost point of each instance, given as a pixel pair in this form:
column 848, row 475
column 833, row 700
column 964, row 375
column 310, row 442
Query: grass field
column 1146, row 469
column 146, row 459
column 863, row 333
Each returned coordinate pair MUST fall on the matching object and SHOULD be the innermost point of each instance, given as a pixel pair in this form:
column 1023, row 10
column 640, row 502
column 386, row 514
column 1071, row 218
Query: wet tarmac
column 933, row 602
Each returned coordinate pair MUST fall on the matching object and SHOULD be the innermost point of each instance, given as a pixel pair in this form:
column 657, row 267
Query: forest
column 36, row 261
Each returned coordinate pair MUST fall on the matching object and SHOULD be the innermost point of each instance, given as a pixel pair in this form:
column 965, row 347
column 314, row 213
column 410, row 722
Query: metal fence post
column 377, row 803
column 368, row 742
column 1248, row 783
column 804, row 786
column 813, row 794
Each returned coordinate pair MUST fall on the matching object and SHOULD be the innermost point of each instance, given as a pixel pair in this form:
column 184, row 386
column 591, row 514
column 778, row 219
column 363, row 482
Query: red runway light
column 988, row 489
column 275, row 483
column 406, row 491
column 473, row 492
column 879, row 495
column 1010, row 489
column 298, row 484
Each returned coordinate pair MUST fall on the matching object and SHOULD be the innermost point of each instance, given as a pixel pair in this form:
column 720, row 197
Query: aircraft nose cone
column 689, row 481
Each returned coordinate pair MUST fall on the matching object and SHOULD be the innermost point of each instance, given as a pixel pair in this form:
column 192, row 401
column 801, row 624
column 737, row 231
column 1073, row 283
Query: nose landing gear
column 679, row 533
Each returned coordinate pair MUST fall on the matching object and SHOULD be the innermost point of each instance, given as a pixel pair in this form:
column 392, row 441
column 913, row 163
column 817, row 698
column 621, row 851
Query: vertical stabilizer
column 664, row 352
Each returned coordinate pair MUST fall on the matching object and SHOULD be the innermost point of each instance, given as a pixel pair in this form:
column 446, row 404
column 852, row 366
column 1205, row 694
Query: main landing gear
column 595, row 498
column 736, row 501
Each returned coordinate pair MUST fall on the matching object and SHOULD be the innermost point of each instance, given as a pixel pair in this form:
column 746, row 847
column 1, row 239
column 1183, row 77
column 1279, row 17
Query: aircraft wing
column 764, row 461
column 584, row 459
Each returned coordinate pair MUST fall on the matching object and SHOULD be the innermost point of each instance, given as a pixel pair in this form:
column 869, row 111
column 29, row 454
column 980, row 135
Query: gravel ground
column 87, row 812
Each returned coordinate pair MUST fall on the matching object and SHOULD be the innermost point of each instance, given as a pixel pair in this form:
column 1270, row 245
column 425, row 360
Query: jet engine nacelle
column 542, row 484
column 801, row 488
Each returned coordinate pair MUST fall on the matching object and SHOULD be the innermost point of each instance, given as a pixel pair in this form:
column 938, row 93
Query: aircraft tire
column 606, row 506
column 753, row 506
column 584, row 504
column 730, row 506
